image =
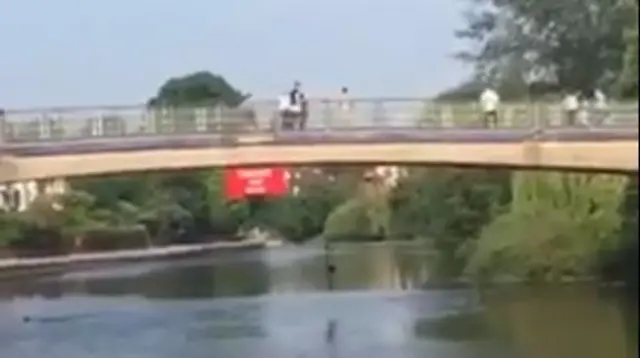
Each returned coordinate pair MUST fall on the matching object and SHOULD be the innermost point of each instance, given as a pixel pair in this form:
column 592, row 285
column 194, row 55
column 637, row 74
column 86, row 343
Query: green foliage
column 118, row 238
column 198, row 89
column 621, row 261
column 578, row 44
column 557, row 226
column 523, row 225
column 12, row 228
column 349, row 221
column 301, row 216
column 215, row 99
column 448, row 207
column 628, row 79
column 224, row 217
column 366, row 216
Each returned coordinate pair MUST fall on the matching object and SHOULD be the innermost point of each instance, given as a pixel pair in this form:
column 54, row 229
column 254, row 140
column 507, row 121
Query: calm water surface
column 277, row 304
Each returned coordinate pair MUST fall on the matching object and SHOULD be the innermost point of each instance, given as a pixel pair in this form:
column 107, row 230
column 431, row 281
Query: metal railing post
column 327, row 117
column 3, row 127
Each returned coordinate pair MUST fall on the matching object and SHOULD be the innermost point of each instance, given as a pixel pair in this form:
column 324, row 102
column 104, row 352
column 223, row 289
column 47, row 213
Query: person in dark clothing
column 295, row 95
column 298, row 105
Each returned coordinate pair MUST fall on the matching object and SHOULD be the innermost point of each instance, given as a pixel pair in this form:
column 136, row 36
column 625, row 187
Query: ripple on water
column 310, row 323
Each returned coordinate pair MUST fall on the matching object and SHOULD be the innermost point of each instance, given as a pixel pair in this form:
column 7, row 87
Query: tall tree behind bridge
column 578, row 44
column 628, row 83
column 200, row 94
column 198, row 89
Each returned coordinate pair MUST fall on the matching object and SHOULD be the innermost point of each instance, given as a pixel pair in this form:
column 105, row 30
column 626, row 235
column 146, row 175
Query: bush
column 558, row 226
column 39, row 241
column 350, row 222
column 105, row 239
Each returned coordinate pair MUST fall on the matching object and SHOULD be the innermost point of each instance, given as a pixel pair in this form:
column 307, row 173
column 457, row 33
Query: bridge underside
column 615, row 156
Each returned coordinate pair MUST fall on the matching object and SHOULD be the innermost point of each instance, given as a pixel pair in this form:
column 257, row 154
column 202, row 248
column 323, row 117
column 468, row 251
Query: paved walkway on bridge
column 348, row 136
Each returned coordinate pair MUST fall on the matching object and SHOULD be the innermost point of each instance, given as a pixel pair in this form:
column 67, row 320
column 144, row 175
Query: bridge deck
column 351, row 136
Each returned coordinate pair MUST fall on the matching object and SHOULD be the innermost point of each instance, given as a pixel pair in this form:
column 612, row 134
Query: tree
column 578, row 44
column 301, row 215
column 224, row 217
column 349, row 221
column 198, row 89
column 364, row 216
column 628, row 81
column 557, row 226
column 448, row 208
column 12, row 229
column 183, row 102
column 620, row 261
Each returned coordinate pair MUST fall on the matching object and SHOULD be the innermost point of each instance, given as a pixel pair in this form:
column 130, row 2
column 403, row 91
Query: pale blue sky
column 85, row 52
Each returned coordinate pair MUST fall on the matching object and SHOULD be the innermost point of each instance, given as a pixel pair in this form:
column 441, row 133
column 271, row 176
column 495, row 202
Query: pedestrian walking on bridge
column 571, row 107
column 489, row 103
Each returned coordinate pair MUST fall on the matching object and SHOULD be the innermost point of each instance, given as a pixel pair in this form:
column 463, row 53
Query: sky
column 80, row 53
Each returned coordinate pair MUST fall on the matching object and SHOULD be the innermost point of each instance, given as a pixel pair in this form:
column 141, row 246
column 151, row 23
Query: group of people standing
column 584, row 107
column 578, row 107
column 293, row 107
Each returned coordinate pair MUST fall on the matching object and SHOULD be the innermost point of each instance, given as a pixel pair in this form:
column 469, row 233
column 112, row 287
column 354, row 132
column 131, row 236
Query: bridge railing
column 64, row 124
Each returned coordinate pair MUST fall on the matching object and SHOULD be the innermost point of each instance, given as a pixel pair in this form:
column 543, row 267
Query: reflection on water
column 459, row 326
column 275, row 303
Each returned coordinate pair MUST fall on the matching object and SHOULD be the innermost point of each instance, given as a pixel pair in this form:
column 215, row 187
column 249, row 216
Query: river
column 281, row 303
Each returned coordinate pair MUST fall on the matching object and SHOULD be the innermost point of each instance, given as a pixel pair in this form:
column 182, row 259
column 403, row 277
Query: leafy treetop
column 198, row 88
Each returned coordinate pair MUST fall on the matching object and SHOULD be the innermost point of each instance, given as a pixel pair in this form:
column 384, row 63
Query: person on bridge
column 303, row 103
column 586, row 100
column 345, row 102
column 489, row 102
column 345, row 106
column 599, row 108
column 571, row 107
column 293, row 109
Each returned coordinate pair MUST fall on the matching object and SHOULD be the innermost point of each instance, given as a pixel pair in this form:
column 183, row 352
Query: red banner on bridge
column 244, row 182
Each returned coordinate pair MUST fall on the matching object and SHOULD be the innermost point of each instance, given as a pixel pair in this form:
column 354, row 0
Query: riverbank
column 16, row 266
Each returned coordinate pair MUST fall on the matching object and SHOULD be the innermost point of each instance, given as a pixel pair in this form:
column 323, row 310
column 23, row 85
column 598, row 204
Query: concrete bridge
column 58, row 143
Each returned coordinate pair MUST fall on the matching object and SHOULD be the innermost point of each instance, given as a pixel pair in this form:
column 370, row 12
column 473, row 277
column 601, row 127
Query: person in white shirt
column 344, row 107
column 489, row 102
column 599, row 111
column 285, row 120
column 283, row 102
column 570, row 106
column 345, row 102
column 585, row 108
column 599, row 99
